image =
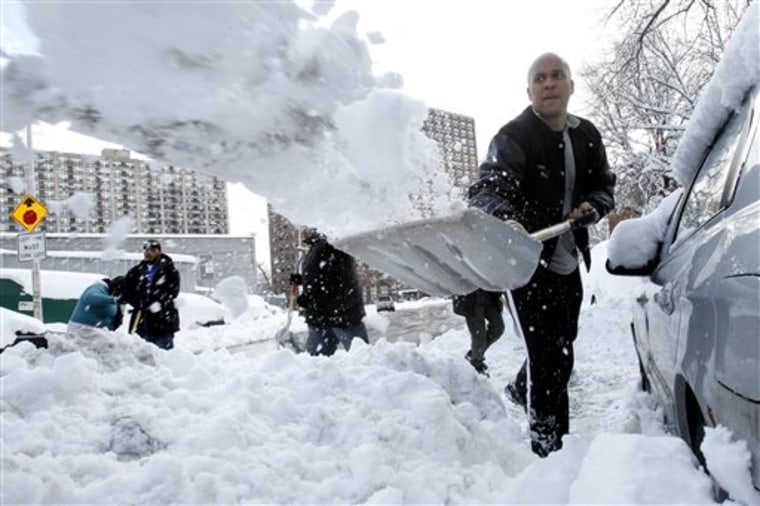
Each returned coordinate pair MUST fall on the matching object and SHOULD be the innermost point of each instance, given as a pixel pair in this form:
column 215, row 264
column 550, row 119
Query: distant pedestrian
column 483, row 314
column 331, row 296
column 98, row 308
column 151, row 287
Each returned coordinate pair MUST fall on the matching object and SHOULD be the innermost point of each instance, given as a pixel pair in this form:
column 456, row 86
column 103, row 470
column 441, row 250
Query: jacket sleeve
column 130, row 287
column 97, row 301
column 174, row 275
column 602, row 192
column 498, row 188
column 166, row 285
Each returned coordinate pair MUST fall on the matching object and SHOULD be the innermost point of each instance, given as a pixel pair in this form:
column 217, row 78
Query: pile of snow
column 636, row 242
column 12, row 322
column 118, row 420
column 232, row 292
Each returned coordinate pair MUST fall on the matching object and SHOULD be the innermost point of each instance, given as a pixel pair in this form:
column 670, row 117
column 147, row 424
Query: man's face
column 151, row 254
column 550, row 87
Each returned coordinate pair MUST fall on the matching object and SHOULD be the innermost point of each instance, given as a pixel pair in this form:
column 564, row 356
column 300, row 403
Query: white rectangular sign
column 31, row 247
column 26, row 305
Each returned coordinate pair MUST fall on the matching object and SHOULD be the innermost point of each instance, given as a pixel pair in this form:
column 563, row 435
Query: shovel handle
column 292, row 296
column 136, row 322
column 560, row 228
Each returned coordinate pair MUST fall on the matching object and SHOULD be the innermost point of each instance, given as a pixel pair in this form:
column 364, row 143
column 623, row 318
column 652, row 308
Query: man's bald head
column 538, row 62
column 549, row 89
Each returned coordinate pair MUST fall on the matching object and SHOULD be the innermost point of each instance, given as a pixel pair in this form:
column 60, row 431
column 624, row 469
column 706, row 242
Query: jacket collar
column 572, row 120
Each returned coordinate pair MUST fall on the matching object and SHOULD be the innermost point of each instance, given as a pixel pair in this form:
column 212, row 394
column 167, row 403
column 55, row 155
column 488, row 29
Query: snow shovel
column 137, row 322
column 283, row 336
column 456, row 254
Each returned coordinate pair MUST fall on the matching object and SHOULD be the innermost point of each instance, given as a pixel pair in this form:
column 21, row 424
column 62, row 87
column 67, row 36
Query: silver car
column 696, row 324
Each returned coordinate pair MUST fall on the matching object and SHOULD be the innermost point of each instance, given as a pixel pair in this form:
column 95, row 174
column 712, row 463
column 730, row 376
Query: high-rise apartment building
column 455, row 135
column 161, row 199
column 185, row 210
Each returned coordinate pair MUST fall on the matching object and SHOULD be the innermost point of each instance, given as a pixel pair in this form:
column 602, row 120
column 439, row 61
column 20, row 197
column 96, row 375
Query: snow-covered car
column 385, row 303
column 696, row 323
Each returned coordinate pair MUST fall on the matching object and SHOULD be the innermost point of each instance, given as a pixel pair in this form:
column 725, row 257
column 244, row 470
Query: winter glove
column 296, row 279
column 584, row 209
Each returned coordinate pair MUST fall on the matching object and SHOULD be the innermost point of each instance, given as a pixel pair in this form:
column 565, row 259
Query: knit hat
column 116, row 285
column 151, row 243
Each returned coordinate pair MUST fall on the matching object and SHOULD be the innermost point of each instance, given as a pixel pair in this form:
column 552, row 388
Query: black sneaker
column 513, row 395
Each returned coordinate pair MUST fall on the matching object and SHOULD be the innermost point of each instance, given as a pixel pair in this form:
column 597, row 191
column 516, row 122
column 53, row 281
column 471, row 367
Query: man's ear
column 527, row 90
column 572, row 86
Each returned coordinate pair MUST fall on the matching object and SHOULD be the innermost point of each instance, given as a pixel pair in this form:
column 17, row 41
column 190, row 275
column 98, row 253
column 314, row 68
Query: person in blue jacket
column 98, row 308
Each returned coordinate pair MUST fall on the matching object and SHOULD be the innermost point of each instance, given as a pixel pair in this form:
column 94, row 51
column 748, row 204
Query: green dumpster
column 13, row 297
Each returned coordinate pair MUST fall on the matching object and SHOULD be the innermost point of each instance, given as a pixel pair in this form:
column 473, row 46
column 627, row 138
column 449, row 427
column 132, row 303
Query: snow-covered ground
column 120, row 421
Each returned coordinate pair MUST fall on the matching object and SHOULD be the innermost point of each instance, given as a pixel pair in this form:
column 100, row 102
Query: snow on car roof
column 737, row 72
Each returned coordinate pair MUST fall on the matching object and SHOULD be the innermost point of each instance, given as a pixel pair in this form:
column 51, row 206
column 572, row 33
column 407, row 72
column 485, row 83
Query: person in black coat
column 150, row 288
column 482, row 311
column 330, row 296
column 542, row 167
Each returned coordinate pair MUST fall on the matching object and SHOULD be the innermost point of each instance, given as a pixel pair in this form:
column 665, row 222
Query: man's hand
column 296, row 279
column 582, row 210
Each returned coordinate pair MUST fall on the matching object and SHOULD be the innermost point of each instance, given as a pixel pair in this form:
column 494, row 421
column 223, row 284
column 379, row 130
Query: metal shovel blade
column 450, row 255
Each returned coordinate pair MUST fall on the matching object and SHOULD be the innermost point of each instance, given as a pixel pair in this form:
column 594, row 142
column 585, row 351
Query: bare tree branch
column 645, row 87
column 649, row 24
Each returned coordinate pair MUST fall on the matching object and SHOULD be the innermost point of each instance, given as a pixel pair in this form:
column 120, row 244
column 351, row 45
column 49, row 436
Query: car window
column 705, row 198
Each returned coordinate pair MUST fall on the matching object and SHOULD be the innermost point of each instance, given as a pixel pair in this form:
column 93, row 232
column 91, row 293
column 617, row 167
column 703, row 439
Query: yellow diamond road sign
column 29, row 212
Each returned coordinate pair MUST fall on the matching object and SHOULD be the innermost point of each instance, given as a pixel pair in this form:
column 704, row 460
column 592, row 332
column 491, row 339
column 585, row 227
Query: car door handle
column 664, row 299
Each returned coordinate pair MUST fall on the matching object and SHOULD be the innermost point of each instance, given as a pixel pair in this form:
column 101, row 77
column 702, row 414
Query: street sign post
column 29, row 212
column 31, row 247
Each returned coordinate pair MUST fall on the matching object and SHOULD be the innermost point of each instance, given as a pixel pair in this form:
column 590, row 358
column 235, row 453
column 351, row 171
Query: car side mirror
column 645, row 270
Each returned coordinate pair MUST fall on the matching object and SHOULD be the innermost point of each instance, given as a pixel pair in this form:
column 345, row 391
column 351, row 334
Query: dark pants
column 321, row 341
column 486, row 324
column 548, row 308
column 165, row 342
column 325, row 340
